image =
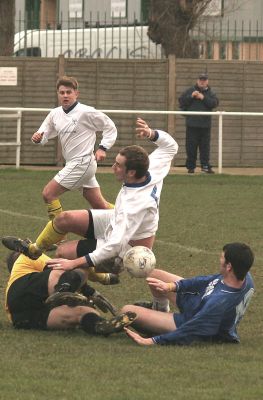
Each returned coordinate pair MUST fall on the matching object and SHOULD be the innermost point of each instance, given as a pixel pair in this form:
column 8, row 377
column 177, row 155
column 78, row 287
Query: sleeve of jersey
column 160, row 159
column 126, row 225
column 202, row 326
column 48, row 128
column 103, row 123
column 195, row 284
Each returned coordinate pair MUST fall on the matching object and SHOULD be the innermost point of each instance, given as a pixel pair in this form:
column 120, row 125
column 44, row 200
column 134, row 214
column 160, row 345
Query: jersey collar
column 70, row 108
column 141, row 184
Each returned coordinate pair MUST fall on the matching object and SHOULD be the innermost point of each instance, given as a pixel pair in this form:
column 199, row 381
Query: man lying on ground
column 38, row 297
column 210, row 306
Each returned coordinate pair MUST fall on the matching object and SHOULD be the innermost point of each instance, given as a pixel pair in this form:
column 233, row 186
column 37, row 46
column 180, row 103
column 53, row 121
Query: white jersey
column 136, row 213
column 76, row 129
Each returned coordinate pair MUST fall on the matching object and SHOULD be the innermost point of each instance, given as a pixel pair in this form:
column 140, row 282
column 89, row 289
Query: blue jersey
column 210, row 310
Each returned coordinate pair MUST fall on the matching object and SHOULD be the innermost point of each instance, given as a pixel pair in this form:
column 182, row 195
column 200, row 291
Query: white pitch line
column 194, row 249
column 185, row 248
column 173, row 244
column 162, row 242
column 16, row 214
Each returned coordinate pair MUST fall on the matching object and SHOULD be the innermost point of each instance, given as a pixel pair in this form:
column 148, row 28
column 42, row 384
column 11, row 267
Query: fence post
column 61, row 65
column 18, row 139
column 61, row 72
column 220, row 141
column 171, row 92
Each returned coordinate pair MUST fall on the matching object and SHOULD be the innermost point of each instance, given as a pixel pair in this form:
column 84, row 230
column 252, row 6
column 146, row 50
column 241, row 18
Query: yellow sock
column 54, row 208
column 50, row 235
column 97, row 276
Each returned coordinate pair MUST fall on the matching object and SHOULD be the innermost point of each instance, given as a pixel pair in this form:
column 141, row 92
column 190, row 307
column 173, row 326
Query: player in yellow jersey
column 42, row 298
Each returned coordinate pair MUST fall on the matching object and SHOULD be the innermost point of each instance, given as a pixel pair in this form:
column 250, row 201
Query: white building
column 229, row 29
column 54, row 12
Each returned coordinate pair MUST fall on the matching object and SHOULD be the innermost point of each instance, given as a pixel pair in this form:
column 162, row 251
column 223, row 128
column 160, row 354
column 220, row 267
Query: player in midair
column 110, row 233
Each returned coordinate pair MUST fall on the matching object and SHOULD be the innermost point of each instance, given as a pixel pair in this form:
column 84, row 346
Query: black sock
column 69, row 281
column 89, row 321
column 87, row 290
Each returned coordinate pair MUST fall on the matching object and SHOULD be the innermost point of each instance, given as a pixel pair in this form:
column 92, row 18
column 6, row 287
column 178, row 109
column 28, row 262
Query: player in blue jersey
column 210, row 306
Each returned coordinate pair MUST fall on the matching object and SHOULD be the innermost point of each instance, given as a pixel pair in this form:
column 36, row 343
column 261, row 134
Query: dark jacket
column 189, row 103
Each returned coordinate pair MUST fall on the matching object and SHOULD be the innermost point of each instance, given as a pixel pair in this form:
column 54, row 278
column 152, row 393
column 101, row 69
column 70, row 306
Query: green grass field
column 198, row 215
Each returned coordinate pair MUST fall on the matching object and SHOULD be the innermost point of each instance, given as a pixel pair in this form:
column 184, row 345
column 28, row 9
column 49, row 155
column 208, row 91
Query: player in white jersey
column 134, row 221
column 76, row 125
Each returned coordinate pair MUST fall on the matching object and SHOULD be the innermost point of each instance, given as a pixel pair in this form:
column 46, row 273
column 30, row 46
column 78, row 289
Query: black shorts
column 89, row 244
column 86, row 246
column 26, row 300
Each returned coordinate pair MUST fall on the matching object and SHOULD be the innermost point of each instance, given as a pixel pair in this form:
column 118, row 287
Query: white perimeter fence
column 17, row 113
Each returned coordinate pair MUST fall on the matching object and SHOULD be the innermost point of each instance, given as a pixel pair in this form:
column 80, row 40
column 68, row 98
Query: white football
column 139, row 261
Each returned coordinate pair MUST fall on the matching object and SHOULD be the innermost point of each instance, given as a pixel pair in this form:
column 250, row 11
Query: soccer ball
column 139, row 261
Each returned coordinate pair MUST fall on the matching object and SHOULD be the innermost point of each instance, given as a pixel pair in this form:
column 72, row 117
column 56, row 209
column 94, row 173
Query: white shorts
column 101, row 222
column 78, row 173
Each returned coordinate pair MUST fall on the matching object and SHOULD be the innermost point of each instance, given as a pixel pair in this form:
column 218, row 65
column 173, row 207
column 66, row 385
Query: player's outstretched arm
column 143, row 130
column 138, row 338
column 160, row 286
column 65, row 264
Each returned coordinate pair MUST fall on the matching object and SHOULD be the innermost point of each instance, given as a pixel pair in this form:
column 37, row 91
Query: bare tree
column 7, row 27
column 170, row 22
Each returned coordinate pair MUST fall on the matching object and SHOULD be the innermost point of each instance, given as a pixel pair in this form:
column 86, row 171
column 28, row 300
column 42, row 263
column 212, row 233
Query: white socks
column 161, row 304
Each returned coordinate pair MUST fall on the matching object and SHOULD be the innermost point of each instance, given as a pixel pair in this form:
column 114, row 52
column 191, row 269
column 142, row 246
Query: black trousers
column 197, row 138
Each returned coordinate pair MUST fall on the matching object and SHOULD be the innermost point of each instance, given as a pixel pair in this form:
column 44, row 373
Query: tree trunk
column 170, row 22
column 7, row 27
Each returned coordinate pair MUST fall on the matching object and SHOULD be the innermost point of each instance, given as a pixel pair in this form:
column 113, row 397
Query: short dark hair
column 11, row 259
column 68, row 81
column 136, row 159
column 240, row 256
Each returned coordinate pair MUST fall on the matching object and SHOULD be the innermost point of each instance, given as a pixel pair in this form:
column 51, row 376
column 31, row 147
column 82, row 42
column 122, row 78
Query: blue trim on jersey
column 102, row 147
column 153, row 194
column 141, row 184
column 66, row 111
column 156, row 136
column 89, row 261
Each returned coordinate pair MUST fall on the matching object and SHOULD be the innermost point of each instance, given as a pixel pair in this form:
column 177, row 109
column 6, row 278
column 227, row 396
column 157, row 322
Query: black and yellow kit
column 26, row 292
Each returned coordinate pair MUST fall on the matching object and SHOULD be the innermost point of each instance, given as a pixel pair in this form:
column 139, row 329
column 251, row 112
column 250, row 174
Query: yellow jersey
column 23, row 266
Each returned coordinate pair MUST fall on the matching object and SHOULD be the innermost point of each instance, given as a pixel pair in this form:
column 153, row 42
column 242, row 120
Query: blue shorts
column 188, row 304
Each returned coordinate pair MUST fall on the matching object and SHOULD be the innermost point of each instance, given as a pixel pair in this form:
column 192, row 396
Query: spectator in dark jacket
column 198, row 127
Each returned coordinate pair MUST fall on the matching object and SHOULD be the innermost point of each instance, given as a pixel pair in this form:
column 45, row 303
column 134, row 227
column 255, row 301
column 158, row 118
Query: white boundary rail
column 17, row 113
column 18, row 116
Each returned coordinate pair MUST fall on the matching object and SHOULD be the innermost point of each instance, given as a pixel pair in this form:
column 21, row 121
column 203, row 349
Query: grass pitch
column 198, row 215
